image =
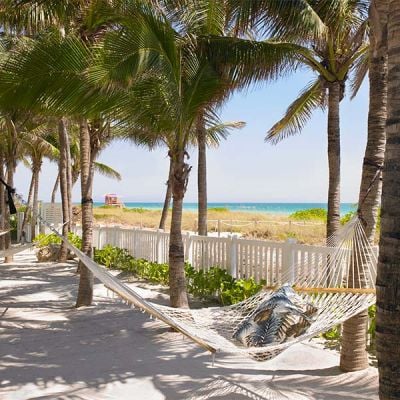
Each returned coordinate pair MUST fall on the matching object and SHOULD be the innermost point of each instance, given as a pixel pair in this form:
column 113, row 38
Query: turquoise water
column 272, row 208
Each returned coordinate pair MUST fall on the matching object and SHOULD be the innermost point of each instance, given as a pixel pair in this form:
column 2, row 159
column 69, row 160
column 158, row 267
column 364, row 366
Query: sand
column 49, row 350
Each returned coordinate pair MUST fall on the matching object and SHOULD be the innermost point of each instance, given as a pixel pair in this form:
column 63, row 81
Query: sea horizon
column 284, row 208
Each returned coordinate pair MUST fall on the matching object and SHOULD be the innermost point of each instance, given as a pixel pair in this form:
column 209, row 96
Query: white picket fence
column 242, row 258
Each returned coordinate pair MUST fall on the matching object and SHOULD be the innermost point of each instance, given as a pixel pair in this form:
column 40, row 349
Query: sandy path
column 48, row 350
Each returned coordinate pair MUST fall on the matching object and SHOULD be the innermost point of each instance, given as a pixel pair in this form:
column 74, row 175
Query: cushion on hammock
column 281, row 316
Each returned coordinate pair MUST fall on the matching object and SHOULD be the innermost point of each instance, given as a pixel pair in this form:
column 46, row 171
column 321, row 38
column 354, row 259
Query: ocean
column 271, row 208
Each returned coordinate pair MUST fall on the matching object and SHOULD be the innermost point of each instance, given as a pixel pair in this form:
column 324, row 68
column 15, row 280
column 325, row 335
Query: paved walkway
column 49, row 350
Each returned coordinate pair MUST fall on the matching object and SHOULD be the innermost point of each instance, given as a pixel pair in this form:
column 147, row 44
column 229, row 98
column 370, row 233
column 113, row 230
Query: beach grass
column 251, row 225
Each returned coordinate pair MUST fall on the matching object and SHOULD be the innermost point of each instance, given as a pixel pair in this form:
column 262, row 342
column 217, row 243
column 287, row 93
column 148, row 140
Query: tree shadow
column 58, row 352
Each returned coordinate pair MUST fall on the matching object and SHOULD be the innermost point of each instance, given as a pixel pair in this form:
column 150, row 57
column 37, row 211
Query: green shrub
column 219, row 209
column 43, row 240
column 317, row 214
column 347, row 217
column 136, row 210
column 216, row 283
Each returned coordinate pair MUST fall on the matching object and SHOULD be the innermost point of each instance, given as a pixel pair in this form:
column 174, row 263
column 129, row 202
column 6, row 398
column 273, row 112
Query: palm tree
column 388, row 279
column 168, row 85
column 37, row 144
column 208, row 136
column 353, row 342
column 167, row 199
column 332, row 56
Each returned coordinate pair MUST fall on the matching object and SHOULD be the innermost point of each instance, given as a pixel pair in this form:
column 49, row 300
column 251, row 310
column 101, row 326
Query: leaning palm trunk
column 167, row 200
column 333, row 222
column 55, row 188
column 7, row 225
column 2, row 202
column 177, row 282
column 69, row 178
column 353, row 355
column 35, row 205
column 28, row 207
column 202, row 179
column 85, row 291
column 388, row 278
column 62, row 168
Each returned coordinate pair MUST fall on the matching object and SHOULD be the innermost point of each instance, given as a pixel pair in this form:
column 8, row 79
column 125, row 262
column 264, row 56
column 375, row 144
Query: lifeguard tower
column 111, row 199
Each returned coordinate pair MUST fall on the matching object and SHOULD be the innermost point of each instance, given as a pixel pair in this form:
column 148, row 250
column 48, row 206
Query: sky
column 243, row 168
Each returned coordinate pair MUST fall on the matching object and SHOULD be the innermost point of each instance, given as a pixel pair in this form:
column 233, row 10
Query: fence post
column 288, row 260
column 234, row 256
column 219, row 228
column 159, row 247
column 188, row 248
column 135, row 243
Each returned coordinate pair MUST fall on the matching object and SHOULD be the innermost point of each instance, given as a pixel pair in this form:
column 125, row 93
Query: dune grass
column 252, row 225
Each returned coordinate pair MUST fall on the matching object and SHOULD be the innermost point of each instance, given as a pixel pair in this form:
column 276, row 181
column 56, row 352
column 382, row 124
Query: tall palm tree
column 388, row 278
column 331, row 56
column 37, row 144
column 353, row 342
column 169, row 85
column 208, row 136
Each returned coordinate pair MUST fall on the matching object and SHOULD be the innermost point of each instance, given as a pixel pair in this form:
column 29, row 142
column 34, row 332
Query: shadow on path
column 50, row 350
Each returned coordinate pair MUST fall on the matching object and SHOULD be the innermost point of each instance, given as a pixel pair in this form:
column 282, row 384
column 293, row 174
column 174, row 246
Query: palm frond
column 359, row 72
column 299, row 112
column 221, row 131
column 107, row 171
column 277, row 18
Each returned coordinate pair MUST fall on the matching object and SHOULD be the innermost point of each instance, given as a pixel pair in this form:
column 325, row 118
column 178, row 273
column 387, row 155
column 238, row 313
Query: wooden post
column 135, row 243
column 159, row 247
column 188, row 248
column 219, row 228
column 234, row 256
column 288, row 260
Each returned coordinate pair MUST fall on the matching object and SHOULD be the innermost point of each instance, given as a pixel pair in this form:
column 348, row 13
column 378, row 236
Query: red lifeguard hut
column 111, row 199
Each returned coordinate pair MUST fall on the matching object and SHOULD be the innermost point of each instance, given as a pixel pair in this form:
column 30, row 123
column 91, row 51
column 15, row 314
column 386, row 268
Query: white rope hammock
column 340, row 288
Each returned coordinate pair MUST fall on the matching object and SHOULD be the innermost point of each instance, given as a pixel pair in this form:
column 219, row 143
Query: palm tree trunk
column 62, row 170
column 2, row 202
column 167, row 200
column 388, row 278
column 333, row 221
column 55, row 188
column 35, row 205
column 177, row 281
column 7, row 225
column 69, row 178
column 29, row 206
column 353, row 354
column 85, row 291
column 202, row 178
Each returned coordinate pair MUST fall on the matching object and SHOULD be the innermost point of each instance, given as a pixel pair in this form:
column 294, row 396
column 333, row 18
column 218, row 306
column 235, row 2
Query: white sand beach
column 50, row 350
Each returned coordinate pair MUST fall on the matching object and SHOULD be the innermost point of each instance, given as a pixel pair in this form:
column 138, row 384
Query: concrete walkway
column 49, row 350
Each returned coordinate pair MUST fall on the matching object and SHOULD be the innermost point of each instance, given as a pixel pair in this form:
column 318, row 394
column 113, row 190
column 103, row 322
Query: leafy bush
column 43, row 240
column 211, row 284
column 137, row 210
column 318, row 214
column 347, row 217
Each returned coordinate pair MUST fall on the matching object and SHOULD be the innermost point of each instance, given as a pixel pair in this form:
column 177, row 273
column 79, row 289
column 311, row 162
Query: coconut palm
column 388, row 300
column 353, row 350
column 169, row 86
column 208, row 136
column 37, row 144
column 329, row 38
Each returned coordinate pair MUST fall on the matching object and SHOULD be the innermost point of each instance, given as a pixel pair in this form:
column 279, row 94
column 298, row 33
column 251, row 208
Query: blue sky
column 244, row 168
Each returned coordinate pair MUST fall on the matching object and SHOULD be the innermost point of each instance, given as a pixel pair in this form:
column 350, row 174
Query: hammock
column 340, row 288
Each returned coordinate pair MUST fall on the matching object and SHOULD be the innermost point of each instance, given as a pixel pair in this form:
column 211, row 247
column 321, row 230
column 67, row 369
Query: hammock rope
column 331, row 288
